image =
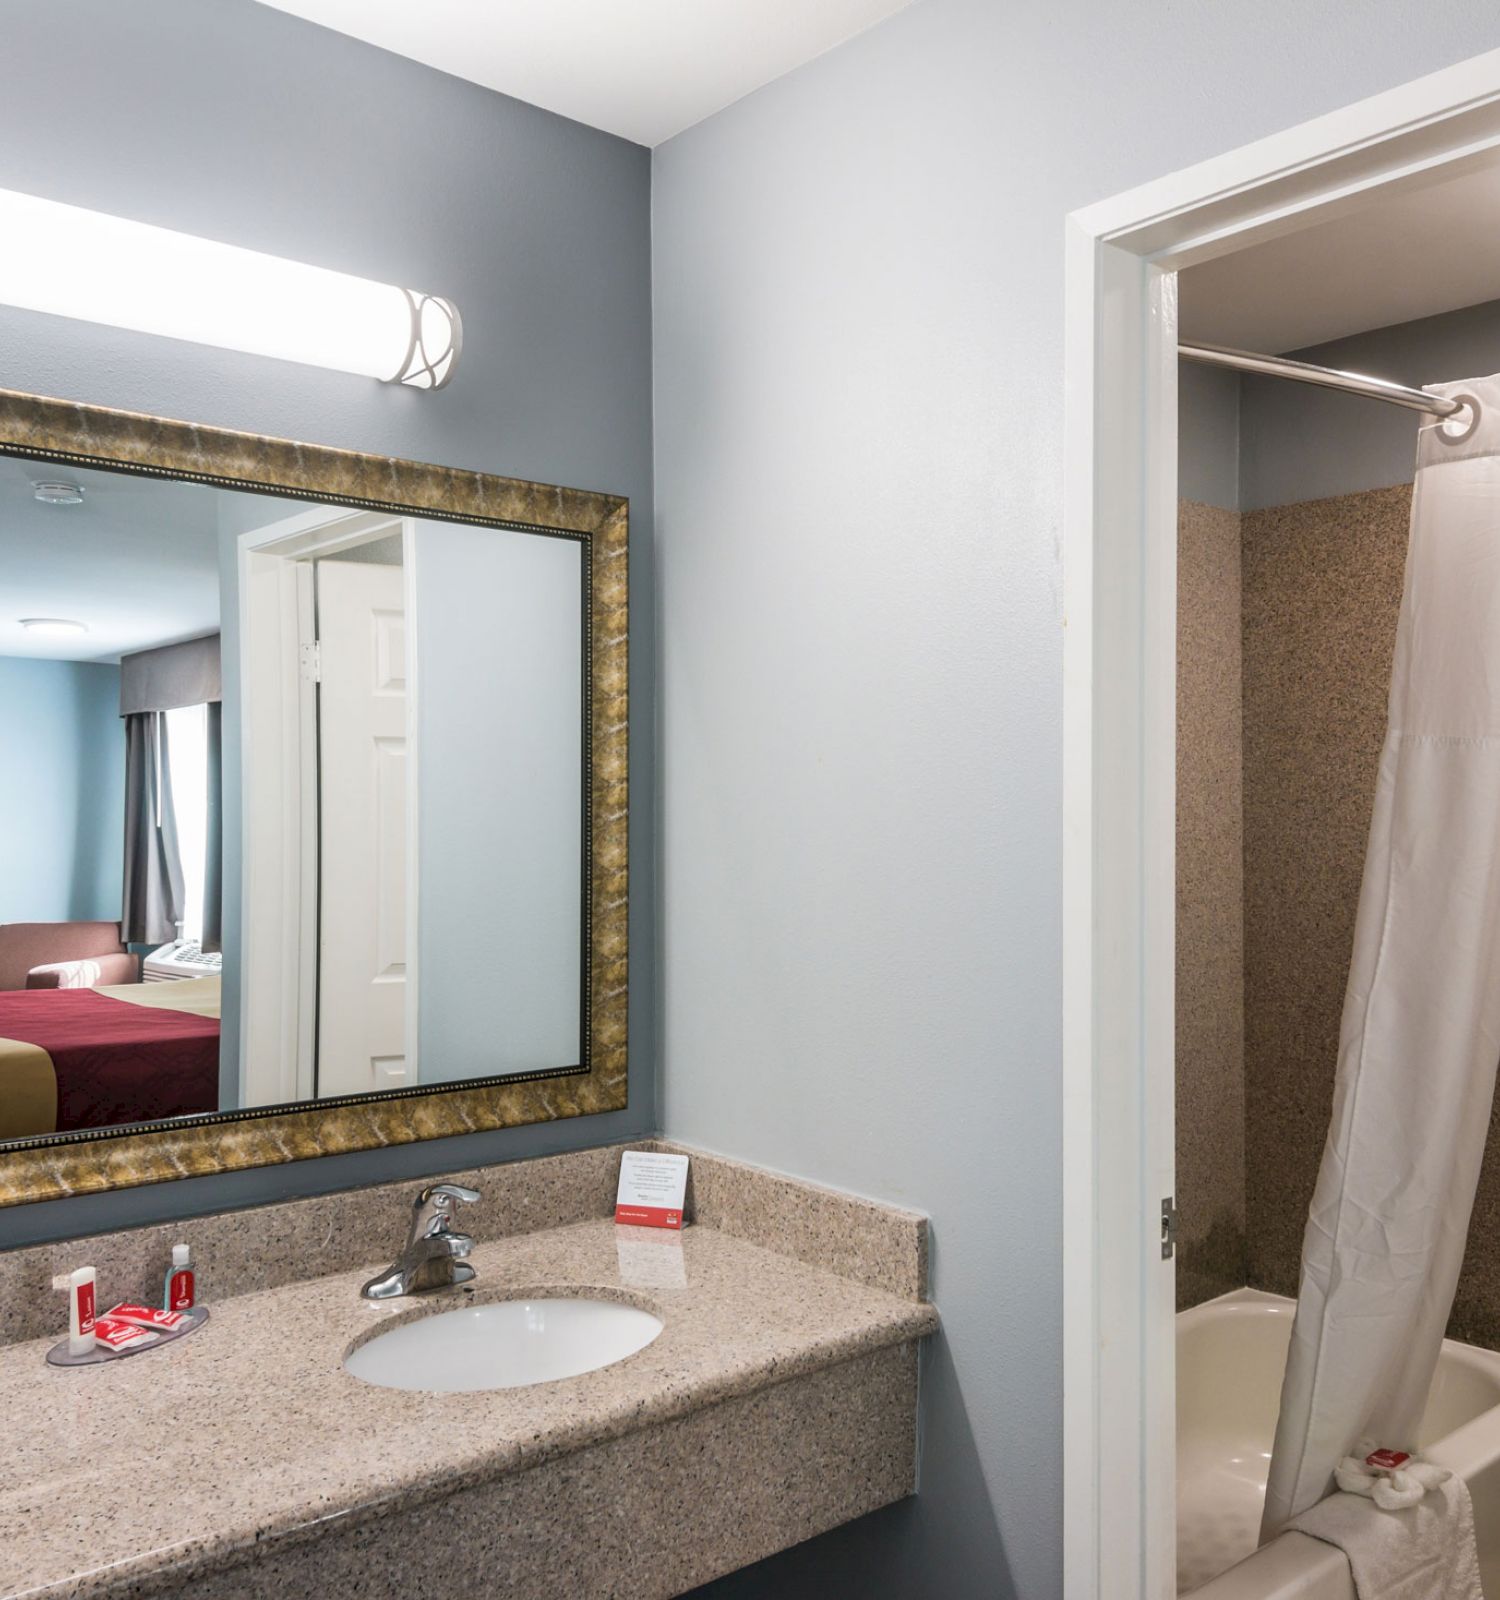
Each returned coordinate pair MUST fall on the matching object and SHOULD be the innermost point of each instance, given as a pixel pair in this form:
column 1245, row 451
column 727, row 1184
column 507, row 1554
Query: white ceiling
column 1408, row 256
column 137, row 562
column 644, row 69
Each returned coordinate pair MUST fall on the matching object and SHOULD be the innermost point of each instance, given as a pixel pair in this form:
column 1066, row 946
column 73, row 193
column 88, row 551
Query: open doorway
column 1294, row 525
column 1122, row 944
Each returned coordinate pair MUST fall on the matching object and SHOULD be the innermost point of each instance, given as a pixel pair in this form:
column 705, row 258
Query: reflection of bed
column 94, row 1058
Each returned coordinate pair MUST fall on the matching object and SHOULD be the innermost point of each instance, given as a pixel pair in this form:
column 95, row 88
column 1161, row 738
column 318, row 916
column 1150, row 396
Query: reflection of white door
column 362, row 757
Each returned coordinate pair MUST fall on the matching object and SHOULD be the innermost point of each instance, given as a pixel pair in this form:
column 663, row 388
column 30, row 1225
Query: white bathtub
column 1230, row 1356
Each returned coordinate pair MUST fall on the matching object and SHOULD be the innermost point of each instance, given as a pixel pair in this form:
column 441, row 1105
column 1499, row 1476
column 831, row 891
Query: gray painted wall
column 241, row 123
column 859, row 318
column 1301, row 443
column 62, row 805
column 1208, row 435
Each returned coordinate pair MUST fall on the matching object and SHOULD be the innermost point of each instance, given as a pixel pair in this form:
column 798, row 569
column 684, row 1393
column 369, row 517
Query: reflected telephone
column 182, row 958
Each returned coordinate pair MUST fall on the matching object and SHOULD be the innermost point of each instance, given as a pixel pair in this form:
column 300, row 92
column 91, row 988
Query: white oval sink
column 504, row 1345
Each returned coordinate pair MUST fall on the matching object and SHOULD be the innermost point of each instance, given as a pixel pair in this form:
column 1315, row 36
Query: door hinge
column 312, row 662
column 1169, row 1221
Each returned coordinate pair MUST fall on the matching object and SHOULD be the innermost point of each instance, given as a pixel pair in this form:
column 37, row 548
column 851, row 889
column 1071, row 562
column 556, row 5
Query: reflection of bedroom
column 110, row 818
column 208, row 886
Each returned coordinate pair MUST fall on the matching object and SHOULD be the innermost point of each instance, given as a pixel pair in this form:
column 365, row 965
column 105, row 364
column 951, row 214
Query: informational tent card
column 652, row 1189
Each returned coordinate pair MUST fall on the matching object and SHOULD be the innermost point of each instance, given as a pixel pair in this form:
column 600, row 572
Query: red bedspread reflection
column 117, row 1062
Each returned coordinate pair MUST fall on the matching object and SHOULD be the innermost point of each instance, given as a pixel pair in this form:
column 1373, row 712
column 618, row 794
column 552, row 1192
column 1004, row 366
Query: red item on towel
column 117, row 1062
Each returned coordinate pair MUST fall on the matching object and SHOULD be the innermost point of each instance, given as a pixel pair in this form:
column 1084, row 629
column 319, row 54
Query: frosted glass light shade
column 53, row 625
column 78, row 263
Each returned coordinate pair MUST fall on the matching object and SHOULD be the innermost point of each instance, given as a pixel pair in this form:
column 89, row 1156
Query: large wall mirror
column 313, row 831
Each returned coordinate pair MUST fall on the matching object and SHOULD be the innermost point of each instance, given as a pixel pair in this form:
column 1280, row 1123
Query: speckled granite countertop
column 250, row 1429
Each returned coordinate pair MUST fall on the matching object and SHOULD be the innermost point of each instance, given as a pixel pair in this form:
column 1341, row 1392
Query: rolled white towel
column 1393, row 1479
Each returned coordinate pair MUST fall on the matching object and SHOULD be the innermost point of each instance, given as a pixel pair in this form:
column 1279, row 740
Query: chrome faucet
column 434, row 1254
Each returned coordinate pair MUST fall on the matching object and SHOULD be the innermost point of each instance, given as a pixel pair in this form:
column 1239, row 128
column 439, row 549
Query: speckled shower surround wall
column 1322, row 589
column 1319, row 584
column 1210, row 975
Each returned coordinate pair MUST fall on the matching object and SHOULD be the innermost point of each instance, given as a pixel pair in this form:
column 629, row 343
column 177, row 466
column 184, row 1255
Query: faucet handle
column 433, row 1207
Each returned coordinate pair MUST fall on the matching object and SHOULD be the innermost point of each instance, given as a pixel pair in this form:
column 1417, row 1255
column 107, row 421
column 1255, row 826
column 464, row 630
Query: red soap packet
column 121, row 1335
column 149, row 1317
column 1387, row 1460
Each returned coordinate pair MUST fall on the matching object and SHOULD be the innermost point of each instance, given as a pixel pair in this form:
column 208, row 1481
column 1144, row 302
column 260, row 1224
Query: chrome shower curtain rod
column 1398, row 394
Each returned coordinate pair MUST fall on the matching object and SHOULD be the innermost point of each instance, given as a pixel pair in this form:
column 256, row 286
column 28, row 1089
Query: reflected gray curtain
column 154, row 893
column 213, row 877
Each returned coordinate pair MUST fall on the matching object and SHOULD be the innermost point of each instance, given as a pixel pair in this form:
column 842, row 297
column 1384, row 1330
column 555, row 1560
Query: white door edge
column 279, row 868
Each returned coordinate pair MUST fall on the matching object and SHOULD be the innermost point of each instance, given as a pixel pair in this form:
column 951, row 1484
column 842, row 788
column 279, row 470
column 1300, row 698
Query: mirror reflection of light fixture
column 52, row 625
column 77, row 263
column 51, row 492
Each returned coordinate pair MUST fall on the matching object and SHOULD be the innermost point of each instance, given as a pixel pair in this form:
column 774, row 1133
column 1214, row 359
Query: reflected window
column 187, row 760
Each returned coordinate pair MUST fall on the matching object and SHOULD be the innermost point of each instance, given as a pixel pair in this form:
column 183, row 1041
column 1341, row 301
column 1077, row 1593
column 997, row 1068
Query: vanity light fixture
column 54, row 493
column 73, row 262
column 53, row 625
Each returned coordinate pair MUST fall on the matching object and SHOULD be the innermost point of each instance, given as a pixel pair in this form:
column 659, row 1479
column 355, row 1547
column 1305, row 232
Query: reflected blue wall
column 62, row 797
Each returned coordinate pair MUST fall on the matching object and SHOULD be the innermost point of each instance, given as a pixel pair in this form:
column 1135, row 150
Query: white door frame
column 1119, row 764
column 278, row 750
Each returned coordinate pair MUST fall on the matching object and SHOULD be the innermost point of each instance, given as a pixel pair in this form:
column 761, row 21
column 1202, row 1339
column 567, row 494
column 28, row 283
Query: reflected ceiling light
column 77, row 263
column 53, row 625
column 53, row 493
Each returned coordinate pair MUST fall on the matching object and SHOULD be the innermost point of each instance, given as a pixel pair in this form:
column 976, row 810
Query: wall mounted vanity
column 405, row 656
column 778, row 1400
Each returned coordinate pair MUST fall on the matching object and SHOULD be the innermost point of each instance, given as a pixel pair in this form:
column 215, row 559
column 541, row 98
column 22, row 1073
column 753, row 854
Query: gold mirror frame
column 92, row 1160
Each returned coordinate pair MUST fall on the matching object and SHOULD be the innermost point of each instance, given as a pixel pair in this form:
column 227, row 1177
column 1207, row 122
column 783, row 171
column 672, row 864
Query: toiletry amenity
column 81, row 1323
column 149, row 1317
column 120, row 1336
column 128, row 1330
column 82, row 1327
column 178, row 1292
column 652, row 1189
column 1393, row 1479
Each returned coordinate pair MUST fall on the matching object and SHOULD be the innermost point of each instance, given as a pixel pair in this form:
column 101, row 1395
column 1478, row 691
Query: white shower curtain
column 1420, row 1034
